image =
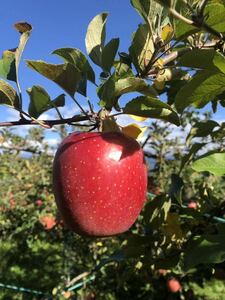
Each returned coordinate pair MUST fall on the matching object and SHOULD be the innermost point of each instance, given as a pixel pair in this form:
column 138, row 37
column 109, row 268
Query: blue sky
column 61, row 24
column 56, row 25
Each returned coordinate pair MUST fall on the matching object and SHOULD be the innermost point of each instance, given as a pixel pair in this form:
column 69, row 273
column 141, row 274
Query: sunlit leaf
column 95, row 38
column 150, row 107
column 142, row 47
column 213, row 163
column 8, row 95
column 167, row 33
column 7, row 65
column 133, row 84
column 65, row 75
column 78, row 60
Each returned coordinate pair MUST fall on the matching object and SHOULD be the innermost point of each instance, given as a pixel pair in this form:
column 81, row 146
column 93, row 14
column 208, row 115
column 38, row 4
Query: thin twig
column 77, row 278
column 78, row 104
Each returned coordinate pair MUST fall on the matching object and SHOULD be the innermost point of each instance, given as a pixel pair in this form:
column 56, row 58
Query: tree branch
column 47, row 123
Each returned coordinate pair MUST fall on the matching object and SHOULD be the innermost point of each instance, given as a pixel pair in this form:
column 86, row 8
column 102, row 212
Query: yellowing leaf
column 134, row 131
column 137, row 118
column 159, row 63
column 167, row 33
column 159, row 85
column 172, row 228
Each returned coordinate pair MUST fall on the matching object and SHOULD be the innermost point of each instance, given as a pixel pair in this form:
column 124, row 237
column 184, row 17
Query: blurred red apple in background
column 48, row 221
column 173, row 285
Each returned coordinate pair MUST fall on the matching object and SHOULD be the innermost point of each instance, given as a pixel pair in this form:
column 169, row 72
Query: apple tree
column 172, row 72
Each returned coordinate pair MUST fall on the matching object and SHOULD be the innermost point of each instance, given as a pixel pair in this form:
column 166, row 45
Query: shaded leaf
column 95, row 38
column 201, row 129
column 40, row 101
column 8, row 95
column 187, row 158
column 106, row 93
column 150, row 107
column 203, row 59
column 109, row 53
column 176, row 186
column 142, row 47
column 65, row 75
column 207, row 249
column 156, row 210
column 78, row 60
column 200, row 90
column 213, row 163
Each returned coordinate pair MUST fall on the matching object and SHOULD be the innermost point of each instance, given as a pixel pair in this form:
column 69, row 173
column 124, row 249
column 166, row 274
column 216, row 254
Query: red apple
column 38, row 202
column 173, row 285
column 192, row 205
column 48, row 221
column 99, row 182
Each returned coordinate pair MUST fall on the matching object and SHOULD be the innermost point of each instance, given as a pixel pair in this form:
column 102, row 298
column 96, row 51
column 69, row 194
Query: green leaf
column 184, row 30
column 142, row 47
column 78, row 60
column 203, row 59
column 7, row 65
column 151, row 107
column 8, row 95
column 40, row 101
column 106, row 93
column 201, row 129
column 109, row 53
column 213, row 163
column 133, row 84
column 95, row 38
column 189, row 156
column 177, row 184
column 207, row 249
column 149, row 10
column 200, row 90
column 123, row 66
column 142, row 7
column 215, row 13
column 65, row 75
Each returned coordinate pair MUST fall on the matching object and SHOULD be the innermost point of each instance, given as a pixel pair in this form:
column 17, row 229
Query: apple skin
column 173, row 285
column 99, row 182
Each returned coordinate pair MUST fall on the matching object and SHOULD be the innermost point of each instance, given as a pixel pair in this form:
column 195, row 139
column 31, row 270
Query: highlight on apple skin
column 99, row 182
